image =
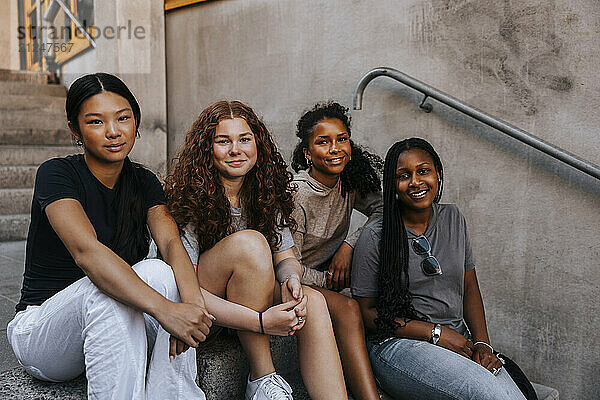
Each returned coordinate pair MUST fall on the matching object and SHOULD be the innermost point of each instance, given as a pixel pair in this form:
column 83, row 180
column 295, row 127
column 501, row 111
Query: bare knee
column 347, row 314
column 254, row 254
column 316, row 304
column 250, row 244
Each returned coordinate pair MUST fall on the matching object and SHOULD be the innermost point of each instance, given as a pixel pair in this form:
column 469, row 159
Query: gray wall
column 139, row 62
column 9, row 35
column 533, row 221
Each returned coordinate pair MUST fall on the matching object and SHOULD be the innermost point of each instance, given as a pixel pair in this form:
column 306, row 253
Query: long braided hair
column 362, row 171
column 395, row 299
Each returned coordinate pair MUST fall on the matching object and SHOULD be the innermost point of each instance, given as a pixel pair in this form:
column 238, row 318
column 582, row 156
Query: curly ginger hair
column 196, row 196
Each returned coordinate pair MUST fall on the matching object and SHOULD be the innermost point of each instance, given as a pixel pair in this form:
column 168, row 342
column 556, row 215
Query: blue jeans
column 415, row 369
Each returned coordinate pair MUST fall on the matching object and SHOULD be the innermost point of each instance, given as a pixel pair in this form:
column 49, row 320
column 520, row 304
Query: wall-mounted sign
column 172, row 4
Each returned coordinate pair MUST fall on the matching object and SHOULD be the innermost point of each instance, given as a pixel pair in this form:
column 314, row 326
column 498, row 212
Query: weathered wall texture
column 9, row 35
column 534, row 222
column 139, row 62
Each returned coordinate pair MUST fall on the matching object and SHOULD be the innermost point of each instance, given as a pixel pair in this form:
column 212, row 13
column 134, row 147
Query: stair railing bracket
column 427, row 107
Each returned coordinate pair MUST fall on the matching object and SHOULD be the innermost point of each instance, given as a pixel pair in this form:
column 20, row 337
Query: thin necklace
column 426, row 224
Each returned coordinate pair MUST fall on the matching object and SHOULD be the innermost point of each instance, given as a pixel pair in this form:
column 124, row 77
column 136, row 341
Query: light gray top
column 323, row 217
column 238, row 223
column 438, row 297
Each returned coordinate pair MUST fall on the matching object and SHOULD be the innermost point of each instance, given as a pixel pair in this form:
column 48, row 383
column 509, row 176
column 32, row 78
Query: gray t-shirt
column 238, row 223
column 438, row 297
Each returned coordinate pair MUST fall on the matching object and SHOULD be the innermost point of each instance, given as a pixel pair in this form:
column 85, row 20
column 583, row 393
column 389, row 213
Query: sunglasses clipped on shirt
column 429, row 265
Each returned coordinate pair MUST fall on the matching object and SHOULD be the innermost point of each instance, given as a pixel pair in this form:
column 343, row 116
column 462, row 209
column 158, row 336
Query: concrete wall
column 139, row 62
column 9, row 35
column 533, row 221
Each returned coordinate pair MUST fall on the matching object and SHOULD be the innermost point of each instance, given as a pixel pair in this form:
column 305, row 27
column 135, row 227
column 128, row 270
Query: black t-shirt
column 49, row 267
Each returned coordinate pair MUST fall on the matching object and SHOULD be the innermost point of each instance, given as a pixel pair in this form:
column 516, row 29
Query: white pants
column 81, row 328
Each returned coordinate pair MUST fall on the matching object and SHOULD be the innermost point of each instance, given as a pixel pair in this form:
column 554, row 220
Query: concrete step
column 24, row 136
column 32, row 89
column 222, row 373
column 223, row 367
column 16, row 384
column 545, row 392
column 32, row 103
column 26, row 76
column 15, row 201
column 15, row 177
column 14, row 227
column 33, row 155
column 16, row 119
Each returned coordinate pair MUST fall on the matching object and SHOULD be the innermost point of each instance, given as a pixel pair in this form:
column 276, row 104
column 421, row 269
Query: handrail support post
column 427, row 107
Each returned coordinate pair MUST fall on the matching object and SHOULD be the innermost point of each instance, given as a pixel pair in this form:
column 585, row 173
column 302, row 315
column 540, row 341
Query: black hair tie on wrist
column 262, row 329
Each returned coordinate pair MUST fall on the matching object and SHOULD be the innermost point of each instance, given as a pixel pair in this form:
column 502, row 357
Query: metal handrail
column 514, row 132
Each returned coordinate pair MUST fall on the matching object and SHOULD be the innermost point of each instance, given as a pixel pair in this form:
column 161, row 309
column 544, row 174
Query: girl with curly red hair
column 231, row 197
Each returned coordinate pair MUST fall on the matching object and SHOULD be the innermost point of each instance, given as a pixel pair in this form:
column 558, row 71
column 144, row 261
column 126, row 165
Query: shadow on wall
column 571, row 177
column 527, row 56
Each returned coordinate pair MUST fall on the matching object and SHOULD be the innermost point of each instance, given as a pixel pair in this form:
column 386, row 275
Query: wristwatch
column 435, row 333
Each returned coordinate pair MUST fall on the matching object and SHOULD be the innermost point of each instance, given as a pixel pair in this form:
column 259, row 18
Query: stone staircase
column 32, row 130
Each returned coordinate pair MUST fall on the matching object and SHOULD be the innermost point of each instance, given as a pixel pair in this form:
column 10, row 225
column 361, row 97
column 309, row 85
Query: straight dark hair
column 395, row 299
column 131, row 239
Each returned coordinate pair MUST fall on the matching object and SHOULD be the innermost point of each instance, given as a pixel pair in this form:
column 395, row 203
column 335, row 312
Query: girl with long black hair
column 89, row 301
column 414, row 278
column 83, row 306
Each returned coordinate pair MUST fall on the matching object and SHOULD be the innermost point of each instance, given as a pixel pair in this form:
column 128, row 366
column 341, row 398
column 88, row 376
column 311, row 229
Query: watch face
column 435, row 333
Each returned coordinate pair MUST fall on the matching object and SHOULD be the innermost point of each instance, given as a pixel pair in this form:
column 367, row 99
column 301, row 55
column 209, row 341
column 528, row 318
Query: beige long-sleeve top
column 323, row 217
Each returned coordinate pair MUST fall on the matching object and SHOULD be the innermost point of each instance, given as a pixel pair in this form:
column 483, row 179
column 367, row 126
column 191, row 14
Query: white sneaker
column 269, row 387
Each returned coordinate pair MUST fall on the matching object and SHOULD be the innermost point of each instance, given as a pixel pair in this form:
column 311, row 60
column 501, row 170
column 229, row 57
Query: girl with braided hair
column 414, row 278
column 231, row 197
column 335, row 176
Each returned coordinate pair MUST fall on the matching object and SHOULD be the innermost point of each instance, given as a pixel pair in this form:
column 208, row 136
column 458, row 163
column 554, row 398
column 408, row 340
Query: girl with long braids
column 414, row 277
column 88, row 301
column 335, row 176
column 231, row 197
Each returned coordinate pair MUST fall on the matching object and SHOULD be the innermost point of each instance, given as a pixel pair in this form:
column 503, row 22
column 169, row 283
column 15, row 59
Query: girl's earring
column 309, row 162
column 396, row 196
column 78, row 142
